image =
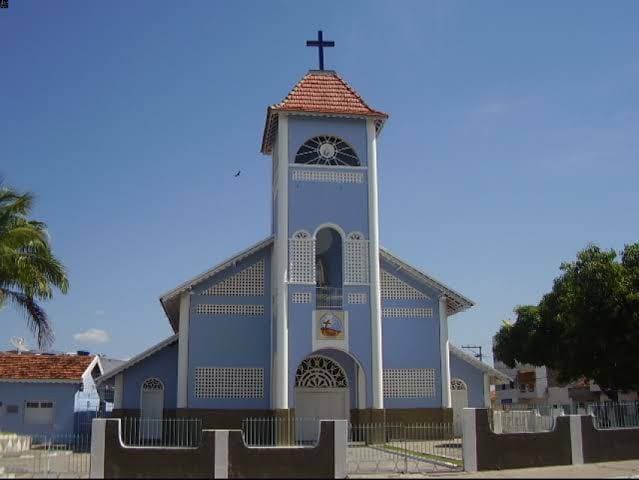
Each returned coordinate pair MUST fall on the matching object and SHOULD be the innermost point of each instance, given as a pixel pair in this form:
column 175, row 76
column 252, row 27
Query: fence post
column 221, row 466
column 98, row 433
column 576, row 440
column 469, row 440
column 340, row 439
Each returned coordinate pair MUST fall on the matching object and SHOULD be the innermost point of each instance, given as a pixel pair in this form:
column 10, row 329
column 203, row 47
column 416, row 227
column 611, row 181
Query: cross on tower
column 320, row 44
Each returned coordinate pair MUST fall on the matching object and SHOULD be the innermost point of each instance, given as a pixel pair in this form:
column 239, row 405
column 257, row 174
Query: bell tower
column 323, row 142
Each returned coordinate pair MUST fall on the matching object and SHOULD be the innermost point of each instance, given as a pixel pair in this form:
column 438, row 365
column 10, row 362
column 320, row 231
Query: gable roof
column 138, row 358
column 170, row 300
column 484, row 367
column 30, row 367
column 455, row 301
column 319, row 92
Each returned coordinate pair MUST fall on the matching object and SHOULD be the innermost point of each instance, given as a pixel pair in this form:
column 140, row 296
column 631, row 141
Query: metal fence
column 537, row 418
column 329, row 297
column 161, row 432
column 403, row 448
column 272, row 431
column 63, row 455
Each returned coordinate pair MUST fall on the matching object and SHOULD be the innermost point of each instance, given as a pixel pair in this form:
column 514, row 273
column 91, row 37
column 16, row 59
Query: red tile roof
column 320, row 91
column 29, row 366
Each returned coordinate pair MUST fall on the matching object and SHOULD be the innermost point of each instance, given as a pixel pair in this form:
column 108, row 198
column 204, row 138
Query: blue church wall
column 412, row 342
column 300, row 329
column 161, row 365
column 17, row 394
column 231, row 340
column 472, row 376
column 351, row 130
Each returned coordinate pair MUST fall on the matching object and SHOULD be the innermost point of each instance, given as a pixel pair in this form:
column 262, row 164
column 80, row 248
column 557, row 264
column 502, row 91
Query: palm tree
column 28, row 269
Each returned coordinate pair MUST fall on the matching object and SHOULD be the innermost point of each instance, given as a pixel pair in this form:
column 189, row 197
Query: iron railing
column 275, row 431
column 161, row 432
column 59, row 455
column 329, row 298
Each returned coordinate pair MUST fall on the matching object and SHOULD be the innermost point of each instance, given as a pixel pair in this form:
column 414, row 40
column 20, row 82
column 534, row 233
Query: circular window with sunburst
column 327, row 150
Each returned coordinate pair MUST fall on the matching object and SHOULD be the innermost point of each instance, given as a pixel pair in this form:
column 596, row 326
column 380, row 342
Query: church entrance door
column 321, row 393
column 151, row 409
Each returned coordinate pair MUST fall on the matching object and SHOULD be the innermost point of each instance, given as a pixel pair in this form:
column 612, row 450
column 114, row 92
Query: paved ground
column 628, row 469
column 38, row 463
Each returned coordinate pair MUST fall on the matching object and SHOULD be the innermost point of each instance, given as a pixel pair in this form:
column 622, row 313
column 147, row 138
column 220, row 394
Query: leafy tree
column 28, row 269
column 587, row 326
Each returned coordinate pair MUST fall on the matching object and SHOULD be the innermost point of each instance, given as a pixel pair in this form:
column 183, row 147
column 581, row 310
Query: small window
column 46, row 404
column 33, row 404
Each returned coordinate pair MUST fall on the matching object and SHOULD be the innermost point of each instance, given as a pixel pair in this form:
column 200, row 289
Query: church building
column 317, row 319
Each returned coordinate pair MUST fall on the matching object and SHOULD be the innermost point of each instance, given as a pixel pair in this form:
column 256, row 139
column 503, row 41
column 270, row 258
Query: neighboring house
column 38, row 391
column 315, row 320
column 539, row 386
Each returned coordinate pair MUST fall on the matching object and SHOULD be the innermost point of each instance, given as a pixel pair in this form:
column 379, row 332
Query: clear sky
column 512, row 142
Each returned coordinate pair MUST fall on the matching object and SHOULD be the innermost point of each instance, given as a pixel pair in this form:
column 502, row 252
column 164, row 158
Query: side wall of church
column 410, row 341
column 472, row 377
column 313, row 203
column 161, row 365
column 230, row 327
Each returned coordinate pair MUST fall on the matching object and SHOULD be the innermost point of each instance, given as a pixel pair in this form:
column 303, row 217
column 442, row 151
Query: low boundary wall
column 221, row 454
column 574, row 440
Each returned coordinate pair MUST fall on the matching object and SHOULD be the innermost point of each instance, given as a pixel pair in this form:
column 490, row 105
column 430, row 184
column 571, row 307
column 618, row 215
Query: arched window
column 328, row 258
column 457, row 384
column 320, row 372
column 327, row 150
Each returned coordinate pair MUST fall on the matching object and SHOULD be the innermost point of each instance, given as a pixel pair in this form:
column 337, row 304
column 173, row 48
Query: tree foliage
column 587, row 326
column 29, row 272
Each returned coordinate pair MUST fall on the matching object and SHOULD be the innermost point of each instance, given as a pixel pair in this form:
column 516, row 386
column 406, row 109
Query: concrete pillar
column 469, row 440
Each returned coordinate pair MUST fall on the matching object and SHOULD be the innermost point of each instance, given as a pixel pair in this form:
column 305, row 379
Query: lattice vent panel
column 409, row 382
column 246, row 282
column 321, row 175
column 301, row 297
column 246, row 310
column 357, row 298
column 301, row 257
column 407, row 312
column 394, row 288
column 356, row 267
column 229, row 382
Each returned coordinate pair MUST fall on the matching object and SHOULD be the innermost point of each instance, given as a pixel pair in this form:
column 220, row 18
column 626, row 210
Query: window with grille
column 229, row 382
column 327, row 150
column 246, row 282
column 357, row 298
column 396, row 289
column 406, row 312
column 301, row 297
column 357, row 264
column 301, row 257
column 409, row 382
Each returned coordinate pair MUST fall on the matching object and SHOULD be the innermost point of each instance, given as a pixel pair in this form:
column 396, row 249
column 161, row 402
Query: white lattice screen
column 213, row 309
column 357, row 298
column 356, row 266
column 409, row 382
column 327, row 176
column 301, row 297
column 301, row 258
column 402, row 312
column 246, row 282
column 394, row 288
column 229, row 382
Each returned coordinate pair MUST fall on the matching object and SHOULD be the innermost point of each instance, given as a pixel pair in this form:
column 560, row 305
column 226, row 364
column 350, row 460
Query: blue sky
column 512, row 141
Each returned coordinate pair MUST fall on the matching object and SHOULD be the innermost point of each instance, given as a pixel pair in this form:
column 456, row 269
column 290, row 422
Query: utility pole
column 476, row 349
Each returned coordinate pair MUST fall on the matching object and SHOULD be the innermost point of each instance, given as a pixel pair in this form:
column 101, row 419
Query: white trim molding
column 375, row 289
column 445, row 356
column 183, row 351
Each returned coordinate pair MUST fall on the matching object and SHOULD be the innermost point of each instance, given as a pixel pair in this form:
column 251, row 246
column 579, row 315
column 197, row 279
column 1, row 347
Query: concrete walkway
column 628, row 469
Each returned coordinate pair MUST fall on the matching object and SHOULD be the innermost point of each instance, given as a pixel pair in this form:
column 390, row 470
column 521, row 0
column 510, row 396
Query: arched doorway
column 459, row 400
column 151, row 408
column 321, row 392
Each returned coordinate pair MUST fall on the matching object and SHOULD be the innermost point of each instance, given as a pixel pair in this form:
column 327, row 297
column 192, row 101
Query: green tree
column 29, row 271
column 587, row 326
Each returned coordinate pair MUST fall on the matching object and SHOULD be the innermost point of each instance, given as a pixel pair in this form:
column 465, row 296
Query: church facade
column 317, row 319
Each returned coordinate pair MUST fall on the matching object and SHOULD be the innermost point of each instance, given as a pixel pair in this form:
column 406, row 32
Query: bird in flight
column 238, row 173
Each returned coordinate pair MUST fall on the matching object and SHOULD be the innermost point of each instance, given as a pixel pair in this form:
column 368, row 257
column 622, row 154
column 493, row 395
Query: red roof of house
column 29, row 366
column 320, row 91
